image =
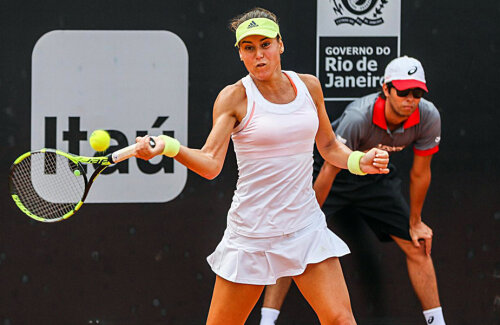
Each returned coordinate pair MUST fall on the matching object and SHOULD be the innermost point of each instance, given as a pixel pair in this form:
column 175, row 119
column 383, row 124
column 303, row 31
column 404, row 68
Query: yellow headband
column 257, row 26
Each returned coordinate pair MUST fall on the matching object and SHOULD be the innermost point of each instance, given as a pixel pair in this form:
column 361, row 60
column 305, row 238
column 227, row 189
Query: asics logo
column 252, row 25
column 412, row 70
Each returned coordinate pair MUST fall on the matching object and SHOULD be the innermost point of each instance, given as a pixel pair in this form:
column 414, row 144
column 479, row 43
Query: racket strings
column 47, row 185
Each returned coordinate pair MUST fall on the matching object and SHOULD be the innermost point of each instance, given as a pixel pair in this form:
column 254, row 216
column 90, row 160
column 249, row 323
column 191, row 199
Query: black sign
column 351, row 67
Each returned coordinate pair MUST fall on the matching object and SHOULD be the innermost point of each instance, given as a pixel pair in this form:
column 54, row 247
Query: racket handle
column 122, row 154
column 127, row 152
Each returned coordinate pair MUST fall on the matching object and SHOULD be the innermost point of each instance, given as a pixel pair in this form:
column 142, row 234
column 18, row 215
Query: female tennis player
column 275, row 227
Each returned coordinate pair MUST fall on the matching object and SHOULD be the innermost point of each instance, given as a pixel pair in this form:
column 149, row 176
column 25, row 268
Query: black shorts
column 375, row 198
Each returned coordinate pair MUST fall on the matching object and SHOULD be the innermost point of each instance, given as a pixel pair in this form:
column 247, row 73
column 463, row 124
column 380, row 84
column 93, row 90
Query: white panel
column 113, row 80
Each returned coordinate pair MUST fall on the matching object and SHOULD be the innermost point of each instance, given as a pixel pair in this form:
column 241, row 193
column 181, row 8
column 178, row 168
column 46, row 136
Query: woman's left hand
column 375, row 161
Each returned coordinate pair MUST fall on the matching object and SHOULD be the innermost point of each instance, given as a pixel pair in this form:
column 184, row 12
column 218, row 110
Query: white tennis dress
column 275, row 226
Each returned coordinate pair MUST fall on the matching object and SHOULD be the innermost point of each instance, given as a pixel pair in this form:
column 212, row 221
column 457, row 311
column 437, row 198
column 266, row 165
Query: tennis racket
column 50, row 185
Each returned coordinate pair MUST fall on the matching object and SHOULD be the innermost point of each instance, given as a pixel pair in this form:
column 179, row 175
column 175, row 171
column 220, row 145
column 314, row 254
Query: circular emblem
column 359, row 7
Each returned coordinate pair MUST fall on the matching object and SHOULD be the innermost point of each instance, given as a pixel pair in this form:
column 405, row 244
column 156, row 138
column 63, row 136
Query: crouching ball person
column 275, row 226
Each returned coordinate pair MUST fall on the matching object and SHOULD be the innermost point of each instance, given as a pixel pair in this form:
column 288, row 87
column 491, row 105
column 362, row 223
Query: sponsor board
column 355, row 42
column 130, row 83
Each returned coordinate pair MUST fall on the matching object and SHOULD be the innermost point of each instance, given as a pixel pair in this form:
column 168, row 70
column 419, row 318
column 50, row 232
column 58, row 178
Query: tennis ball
column 99, row 140
column 77, row 172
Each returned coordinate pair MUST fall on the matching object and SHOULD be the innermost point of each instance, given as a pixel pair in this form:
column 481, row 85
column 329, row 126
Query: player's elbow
column 210, row 176
column 324, row 148
column 212, row 172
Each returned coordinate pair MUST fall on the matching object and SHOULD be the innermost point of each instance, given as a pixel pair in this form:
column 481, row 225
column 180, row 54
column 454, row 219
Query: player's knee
column 346, row 321
column 344, row 318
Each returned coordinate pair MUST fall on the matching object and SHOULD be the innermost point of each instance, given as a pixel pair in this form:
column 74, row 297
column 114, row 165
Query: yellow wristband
column 353, row 163
column 172, row 146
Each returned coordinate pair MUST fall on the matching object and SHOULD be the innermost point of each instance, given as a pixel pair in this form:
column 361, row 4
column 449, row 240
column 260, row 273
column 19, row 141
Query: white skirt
column 262, row 261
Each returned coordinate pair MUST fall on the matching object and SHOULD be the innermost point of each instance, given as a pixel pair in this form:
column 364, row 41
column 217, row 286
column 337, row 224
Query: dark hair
column 253, row 13
column 389, row 86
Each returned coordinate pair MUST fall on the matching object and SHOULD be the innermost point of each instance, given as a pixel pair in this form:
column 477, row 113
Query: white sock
column 434, row 316
column 269, row 316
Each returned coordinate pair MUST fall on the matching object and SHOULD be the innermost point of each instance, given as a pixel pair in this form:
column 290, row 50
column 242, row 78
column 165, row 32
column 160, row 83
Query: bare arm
column 333, row 151
column 420, row 179
column 228, row 109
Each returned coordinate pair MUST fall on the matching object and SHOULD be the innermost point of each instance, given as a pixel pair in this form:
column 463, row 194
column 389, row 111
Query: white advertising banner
column 130, row 83
column 355, row 41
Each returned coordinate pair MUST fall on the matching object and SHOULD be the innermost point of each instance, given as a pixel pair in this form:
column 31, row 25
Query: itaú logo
column 130, row 83
column 359, row 12
column 75, row 141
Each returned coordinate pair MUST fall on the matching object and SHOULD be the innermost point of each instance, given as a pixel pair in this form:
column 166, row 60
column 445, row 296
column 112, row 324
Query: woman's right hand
column 144, row 150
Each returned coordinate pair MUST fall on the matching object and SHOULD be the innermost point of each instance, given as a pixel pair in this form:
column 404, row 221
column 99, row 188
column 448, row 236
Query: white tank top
column 274, row 150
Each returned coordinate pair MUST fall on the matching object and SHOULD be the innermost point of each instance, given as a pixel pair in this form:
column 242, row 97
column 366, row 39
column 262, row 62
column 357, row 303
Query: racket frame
column 102, row 162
